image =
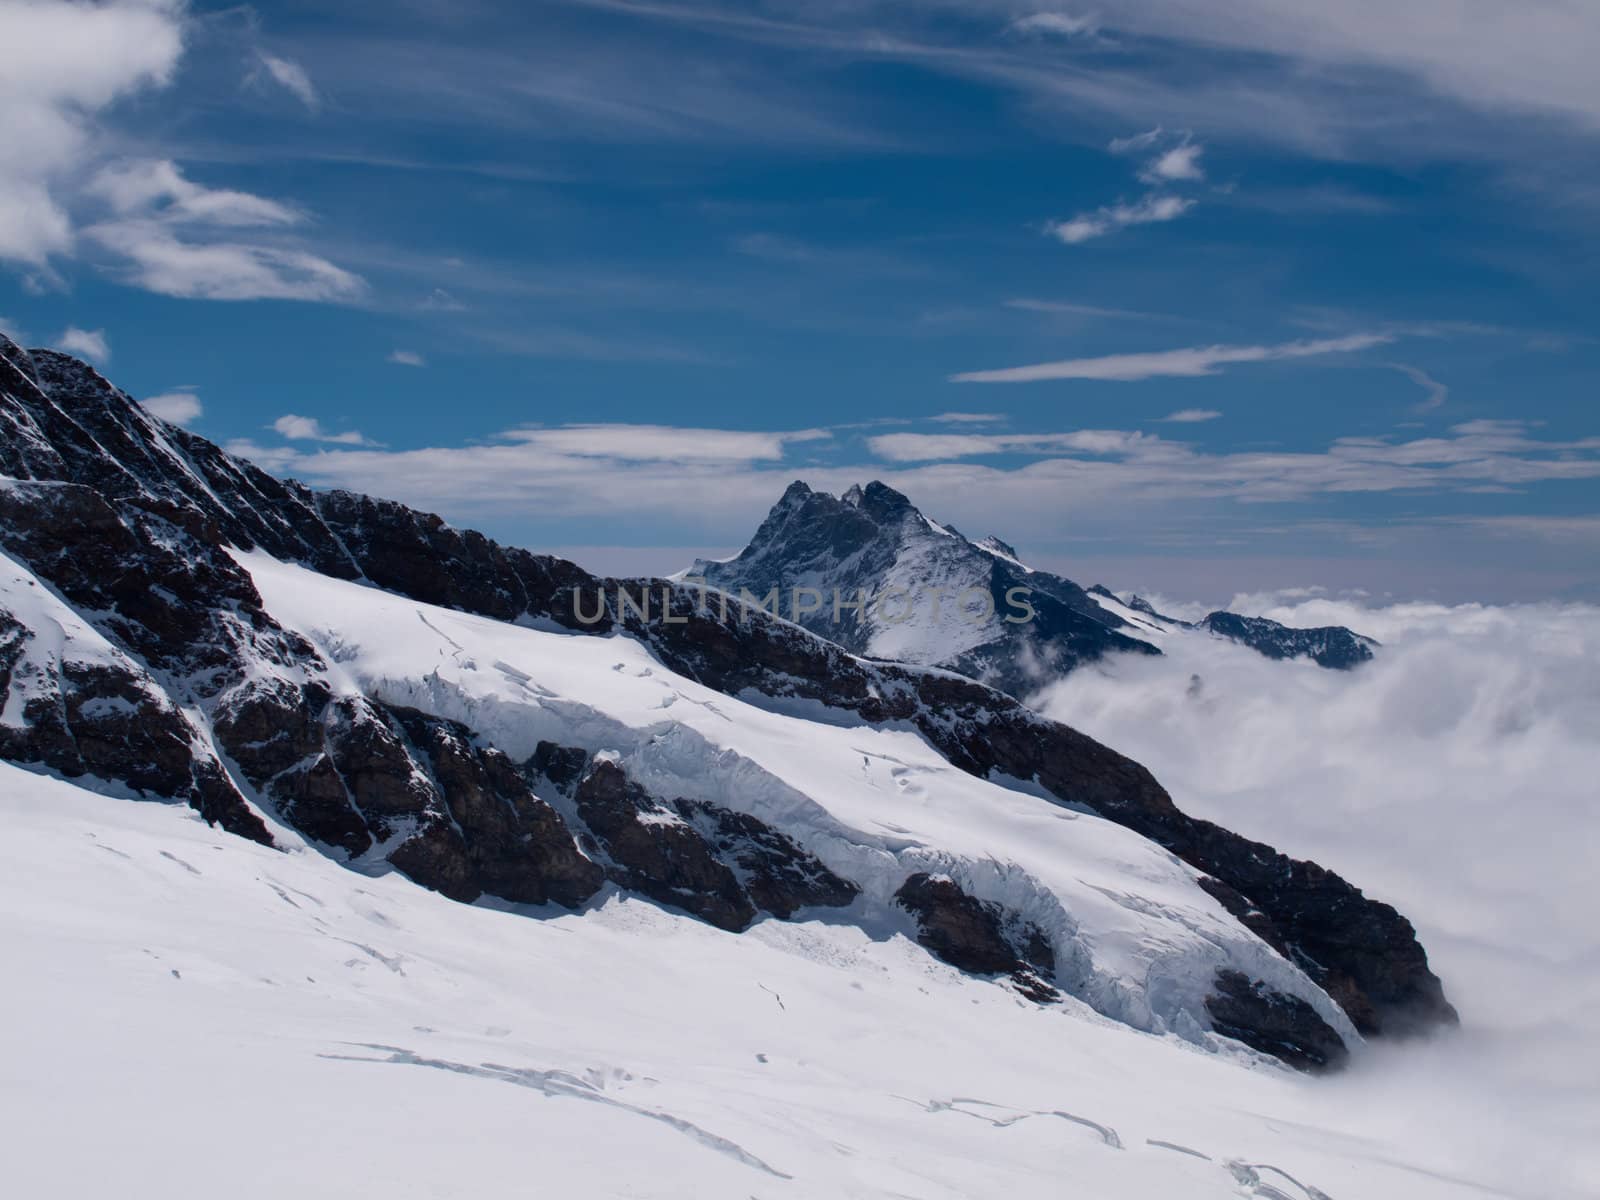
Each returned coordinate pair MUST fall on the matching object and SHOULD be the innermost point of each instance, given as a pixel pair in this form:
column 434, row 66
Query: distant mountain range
column 871, row 572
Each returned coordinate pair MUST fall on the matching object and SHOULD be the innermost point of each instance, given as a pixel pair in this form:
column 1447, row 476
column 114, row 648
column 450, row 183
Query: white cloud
column 1178, row 163
column 1189, row 416
column 1194, row 361
column 86, row 343
column 1137, row 142
column 1438, row 392
column 1054, row 24
column 1177, row 157
column 663, row 443
column 64, row 63
column 309, row 429
column 1152, row 209
column 157, row 259
column 156, row 189
column 942, row 447
column 1532, row 57
column 1181, row 164
column 969, row 418
column 408, row 358
column 291, row 76
column 1452, row 777
column 164, row 237
column 179, row 407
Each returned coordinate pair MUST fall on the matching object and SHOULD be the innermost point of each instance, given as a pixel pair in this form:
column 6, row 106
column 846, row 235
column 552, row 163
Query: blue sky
column 1261, row 293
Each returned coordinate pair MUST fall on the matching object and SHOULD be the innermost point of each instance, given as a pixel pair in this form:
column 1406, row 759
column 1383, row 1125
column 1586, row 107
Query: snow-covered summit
column 870, row 571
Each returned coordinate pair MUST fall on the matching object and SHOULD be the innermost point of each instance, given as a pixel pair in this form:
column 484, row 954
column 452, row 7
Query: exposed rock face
column 109, row 722
column 872, row 540
column 720, row 865
column 978, row 936
column 778, row 875
column 1285, row 1027
column 655, row 852
column 127, row 520
column 1331, row 646
column 517, row 846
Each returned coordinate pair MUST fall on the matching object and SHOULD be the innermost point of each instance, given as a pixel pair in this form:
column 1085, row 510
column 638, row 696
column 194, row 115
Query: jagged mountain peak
column 935, row 598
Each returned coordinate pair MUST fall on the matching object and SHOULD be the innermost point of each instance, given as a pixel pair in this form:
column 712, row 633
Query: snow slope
column 189, row 1014
column 1134, row 935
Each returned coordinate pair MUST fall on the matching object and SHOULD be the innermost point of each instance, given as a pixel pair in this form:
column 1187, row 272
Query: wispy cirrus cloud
column 1067, row 308
column 1150, row 210
column 943, row 447
column 170, row 235
column 1437, row 393
column 292, row 77
column 1191, row 416
column 407, row 358
column 664, row 443
column 1186, row 363
column 1174, row 159
column 1054, row 24
column 158, row 258
column 156, row 189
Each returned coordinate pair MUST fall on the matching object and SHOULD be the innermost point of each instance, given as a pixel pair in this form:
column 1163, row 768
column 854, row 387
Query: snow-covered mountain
column 930, row 596
column 871, row 572
column 363, row 687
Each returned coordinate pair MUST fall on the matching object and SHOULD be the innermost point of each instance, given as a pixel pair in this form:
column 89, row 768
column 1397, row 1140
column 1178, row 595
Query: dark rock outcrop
column 779, row 877
column 517, row 845
column 108, row 722
column 1285, row 1027
column 979, row 936
column 722, row 866
column 653, row 851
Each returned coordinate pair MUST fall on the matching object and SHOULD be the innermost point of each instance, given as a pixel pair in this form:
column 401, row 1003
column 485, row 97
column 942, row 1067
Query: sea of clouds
column 1457, row 776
